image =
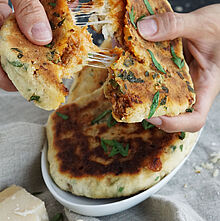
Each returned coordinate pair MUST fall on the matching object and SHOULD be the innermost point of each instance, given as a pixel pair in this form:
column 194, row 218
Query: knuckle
column 172, row 23
column 198, row 126
column 25, row 8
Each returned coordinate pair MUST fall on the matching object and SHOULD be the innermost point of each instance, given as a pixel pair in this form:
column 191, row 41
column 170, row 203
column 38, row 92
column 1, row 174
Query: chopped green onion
column 149, row 8
column 132, row 17
column 154, row 104
column 146, row 125
column 100, row 117
column 156, row 63
column 177, row 60
column 63, row 116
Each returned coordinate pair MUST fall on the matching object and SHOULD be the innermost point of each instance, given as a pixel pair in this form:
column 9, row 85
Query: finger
column 5, row 83
column 170, row 25
column 188, row 56
column 5, row 11
column 32, row 20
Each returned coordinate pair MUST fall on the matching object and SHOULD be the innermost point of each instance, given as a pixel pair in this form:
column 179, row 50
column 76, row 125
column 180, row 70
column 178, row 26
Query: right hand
column 201, row 32
column 33, row 23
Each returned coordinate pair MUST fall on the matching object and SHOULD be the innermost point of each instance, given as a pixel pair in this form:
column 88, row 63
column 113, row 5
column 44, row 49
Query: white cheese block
column 16, row 204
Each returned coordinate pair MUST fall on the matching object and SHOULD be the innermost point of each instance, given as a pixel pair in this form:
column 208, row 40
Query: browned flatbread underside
column 79, row 162
column 135, row 79
column 77, row 142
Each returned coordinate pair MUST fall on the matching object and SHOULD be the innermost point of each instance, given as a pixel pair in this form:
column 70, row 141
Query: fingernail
column 41, row 32
column 155, row 121
column 147, row 27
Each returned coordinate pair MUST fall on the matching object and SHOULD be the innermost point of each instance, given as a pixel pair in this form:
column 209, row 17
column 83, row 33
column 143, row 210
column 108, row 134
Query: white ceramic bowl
column 99, row 207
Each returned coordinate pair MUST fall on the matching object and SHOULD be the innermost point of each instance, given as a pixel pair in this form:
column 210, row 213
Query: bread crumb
column 208, row 166
column 216, row 173
column 185, row 186
column 215, row 157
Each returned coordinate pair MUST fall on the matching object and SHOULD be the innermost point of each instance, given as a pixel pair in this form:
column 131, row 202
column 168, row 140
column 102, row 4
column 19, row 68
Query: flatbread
column 147, row 69
column 81, row 165
column 37, row 71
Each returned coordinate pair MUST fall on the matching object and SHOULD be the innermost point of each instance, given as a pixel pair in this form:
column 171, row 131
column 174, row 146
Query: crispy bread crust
column 132, row 100
column 79, row 164
column 37, row 71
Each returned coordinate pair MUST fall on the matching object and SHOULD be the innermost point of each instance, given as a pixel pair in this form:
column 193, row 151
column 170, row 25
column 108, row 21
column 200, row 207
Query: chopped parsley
column 34, row 98
column 181, row 147
column 17, row 64
column 116, row 147
column 26, row 66
column 115, row 85
column 111, row 122
column 141, row 17
column 132, row 17
column 154, row 104
column 165, row 89
column 120, row 189
column 56, row 14
column 128, row 62
column 63, row 116
column 189, row 87
column 20, row 55
column 163, row 101
column 177, row 60
column 154, row 76
column 57, row 217
column 149, row 8
column 147, row 74
column 190, row 110
column 182, row 135
column 53, row 4
column 50, row 45
column 104, row 146
column 157, row 178
column 180, row 75
column 16, row 49
column 146, row 125
column 173, row 147
column 130, row 77
column 61, row 22
column 100, row 117
column 129, row 38
column 156, row 63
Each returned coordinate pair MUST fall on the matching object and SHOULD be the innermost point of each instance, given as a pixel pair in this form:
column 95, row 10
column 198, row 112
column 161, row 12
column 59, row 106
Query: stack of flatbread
column 100, row 145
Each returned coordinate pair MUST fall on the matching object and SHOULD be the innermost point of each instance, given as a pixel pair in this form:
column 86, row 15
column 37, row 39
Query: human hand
column 33, row 23
column 201, row 32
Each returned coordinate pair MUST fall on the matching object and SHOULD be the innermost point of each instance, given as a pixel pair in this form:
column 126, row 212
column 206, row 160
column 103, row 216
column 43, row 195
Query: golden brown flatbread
column 90, row 155
column 37, row 71
column 149, row 79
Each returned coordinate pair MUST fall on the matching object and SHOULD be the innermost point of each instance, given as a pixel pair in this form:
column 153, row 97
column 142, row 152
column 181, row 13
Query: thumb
column 168, row 26
column 33, row 21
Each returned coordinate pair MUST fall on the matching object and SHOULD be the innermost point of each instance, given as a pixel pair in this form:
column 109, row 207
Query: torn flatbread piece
column 37, row 71
column 150, row 79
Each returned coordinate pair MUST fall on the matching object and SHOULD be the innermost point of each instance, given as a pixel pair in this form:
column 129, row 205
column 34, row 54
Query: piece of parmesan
column 17, row 204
